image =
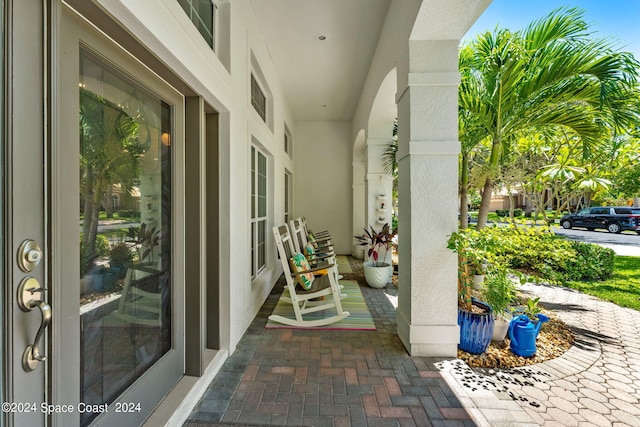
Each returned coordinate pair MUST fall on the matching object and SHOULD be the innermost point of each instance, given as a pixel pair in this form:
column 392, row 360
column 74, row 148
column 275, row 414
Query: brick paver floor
column 366, row 378
column 329, row 378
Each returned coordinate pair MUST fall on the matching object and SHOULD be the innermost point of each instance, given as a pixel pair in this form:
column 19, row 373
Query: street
column 625, row 243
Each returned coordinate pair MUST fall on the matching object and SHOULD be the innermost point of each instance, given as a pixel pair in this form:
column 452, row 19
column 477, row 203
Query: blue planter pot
column 476, row 329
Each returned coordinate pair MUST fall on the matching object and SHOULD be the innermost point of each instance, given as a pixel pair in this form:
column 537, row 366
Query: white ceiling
column 321, row 80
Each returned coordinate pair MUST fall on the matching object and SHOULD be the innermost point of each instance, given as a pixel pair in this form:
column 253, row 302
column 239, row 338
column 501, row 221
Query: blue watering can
column 523, row 333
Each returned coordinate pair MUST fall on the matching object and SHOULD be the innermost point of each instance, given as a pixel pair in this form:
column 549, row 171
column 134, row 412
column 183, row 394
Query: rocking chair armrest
column 323, row 248
column 318, row 267
column 322, row 256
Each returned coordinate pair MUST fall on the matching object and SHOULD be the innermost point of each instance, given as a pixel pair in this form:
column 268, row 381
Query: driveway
column 626, row 243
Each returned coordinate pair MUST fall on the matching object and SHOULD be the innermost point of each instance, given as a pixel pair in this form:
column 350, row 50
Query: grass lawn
column 623, row 288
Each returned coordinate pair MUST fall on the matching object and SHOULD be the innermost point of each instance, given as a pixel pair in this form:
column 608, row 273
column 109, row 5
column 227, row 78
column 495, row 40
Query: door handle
column 32, row 354
column 27, row 302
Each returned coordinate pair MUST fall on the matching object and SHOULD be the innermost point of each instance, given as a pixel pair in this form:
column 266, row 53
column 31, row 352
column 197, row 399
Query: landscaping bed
column 554, row 339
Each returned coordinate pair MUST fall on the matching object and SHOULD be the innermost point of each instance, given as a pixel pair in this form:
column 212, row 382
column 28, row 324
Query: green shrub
column 593, row 262
column 120, row 254
column 87, row 255
column 503, row 213
column 123, row 213
column 538, row 251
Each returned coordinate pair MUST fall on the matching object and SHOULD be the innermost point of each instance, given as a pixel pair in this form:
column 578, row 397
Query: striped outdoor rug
column 343, row 265
column 354, row 303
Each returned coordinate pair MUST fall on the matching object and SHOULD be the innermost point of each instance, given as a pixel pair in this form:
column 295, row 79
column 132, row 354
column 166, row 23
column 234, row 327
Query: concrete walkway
column 366, row 378
column 595, row 383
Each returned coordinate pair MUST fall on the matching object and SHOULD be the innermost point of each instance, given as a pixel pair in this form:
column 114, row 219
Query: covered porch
column 366, row 66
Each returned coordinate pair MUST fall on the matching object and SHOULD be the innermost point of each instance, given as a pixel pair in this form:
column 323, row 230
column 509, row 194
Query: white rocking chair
column 300, row 299
column 323, row 253
column 322, row 237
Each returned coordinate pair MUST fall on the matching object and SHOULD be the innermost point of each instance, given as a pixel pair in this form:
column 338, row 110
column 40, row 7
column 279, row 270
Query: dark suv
column 615, row 219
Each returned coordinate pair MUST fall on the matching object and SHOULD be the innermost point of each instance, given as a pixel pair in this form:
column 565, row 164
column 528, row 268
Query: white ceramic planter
column 478, row 280
column 377, row 277
column 358, row 251
column 500, row 329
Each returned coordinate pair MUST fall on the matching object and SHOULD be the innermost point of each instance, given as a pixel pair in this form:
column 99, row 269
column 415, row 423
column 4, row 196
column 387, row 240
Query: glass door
column 116, row 156
column 125, row 232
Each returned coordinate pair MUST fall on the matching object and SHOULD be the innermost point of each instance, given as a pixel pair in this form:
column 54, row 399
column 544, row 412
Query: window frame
column 258, row 236
column 195, row 18
column 261, row 110
column 288, row 142
column 288, row 195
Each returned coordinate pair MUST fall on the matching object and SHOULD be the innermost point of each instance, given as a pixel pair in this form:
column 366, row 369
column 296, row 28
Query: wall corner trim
column 430, row 148
column 450, row 78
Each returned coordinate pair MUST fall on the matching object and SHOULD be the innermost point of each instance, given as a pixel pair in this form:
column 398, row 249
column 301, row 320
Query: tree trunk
column 95, row 218
column 511, row 203
column 108, row 204
column 88, row 206
column 487, row 191
column 483, row 214
column 464, row 189
column 528, row 207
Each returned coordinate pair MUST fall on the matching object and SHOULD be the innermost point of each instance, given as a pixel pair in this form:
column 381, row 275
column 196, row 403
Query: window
column 287, row 141
column 258, row 211
column 258, row 100
column 287, row 196
column 202, row 14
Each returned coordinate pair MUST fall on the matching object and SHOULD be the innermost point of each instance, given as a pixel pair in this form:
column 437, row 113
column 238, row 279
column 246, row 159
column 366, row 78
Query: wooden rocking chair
column 301, row 299
column 321, row 237
column 323, row 253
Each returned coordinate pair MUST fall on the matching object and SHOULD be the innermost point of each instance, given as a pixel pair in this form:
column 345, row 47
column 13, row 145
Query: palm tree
column 390, row 164
column 551, row 74
column 109, row 153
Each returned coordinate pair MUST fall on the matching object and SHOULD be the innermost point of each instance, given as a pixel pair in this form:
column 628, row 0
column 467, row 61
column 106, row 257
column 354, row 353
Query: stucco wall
column 322, row 179
column 183, row 50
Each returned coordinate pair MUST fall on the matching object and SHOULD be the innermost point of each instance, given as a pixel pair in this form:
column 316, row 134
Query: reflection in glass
column 125, row 206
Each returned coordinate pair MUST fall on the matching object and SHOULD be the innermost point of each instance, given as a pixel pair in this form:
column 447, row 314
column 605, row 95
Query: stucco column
column 359, row 203
column 378, row 185
column 428, row 186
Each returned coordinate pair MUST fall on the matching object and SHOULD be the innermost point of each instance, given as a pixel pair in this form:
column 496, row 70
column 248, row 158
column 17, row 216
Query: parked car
column 612, row 218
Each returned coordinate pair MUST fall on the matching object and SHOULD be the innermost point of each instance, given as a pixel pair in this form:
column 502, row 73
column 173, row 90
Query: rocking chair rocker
column 300, row 298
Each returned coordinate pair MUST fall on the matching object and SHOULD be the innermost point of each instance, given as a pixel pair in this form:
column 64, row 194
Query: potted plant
column 120, row 259
column 377, row 272
column 475, row 318
column 478, row 269
column 144, row 240
column 499, row 292
column 524, row 329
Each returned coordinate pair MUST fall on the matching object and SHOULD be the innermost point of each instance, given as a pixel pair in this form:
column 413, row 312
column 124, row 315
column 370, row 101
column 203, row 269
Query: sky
column 617, row 19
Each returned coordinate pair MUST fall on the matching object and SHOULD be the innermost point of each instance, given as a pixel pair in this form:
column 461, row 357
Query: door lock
column 28, row 300
column 29, row 255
